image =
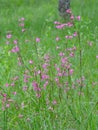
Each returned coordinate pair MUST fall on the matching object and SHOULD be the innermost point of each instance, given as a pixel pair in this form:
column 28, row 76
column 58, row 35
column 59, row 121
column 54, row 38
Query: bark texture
column 64, row 5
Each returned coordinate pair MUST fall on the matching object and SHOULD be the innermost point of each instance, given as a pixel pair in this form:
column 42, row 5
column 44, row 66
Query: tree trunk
column 62, row 7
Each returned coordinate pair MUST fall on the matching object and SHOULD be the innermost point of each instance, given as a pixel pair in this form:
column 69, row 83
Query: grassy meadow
column 48, row 66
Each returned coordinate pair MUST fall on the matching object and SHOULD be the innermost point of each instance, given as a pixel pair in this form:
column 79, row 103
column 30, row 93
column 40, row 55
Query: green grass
column 60, row 106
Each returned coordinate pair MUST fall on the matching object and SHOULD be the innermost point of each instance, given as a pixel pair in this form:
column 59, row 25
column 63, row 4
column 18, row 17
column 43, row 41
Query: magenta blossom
column 72, row 17
column 68, row 11
column 30, row 61
column 37, row 39
column 57, row 39
column 75, row 34
column 56, row 22
column 8, row 36
column 15, row 41
column 15, row 49
column 35, row 86
column 78, row 18
column 71, row 71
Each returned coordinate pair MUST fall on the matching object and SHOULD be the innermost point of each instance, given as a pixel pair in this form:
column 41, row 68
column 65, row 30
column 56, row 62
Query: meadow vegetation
column 48, row 66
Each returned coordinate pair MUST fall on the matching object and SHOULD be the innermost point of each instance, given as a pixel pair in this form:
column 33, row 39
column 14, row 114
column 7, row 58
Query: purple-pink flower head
column 24, row 88
column 64, row 59
column 69, row 24
column 7, row 42
column 35, row 86
column 37, row 39
column 68, row 37
column 75, row 34
column 78, row 18
column 71, row 71
column 7, row 85
column 68, row 11
column 22, row 19
column 45, row 76
column 15, row 41
column 54, row 102
column 21, row 24
column 15, row 49
column 45, row 84
column 72, row 17
column 45, row 65
column 30, row 62
column 56, row 22
column 23, row 30
column 8, row 36
column 61, row 26
column 57, row 39
column 7, row 105
column 61, row 54
column 38, row 95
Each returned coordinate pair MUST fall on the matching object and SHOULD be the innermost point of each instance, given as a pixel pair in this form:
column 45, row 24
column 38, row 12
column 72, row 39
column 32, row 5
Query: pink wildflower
column 30, row 61
column 60, row 74
column 15, row 49
column 24, row 88
column 21, row 24
column 64, row 60
column 12, row 84
column 68, row 11
column 23, row 30
column 22, row 18
column 56, row 22
column 61, row 54
column 66, row 37
column 15, row 41
column 78, row 18
column 25, row 80
column 72, row 17
column 38, row 95
column 7, row 42
column 14, row 93
column 44, row 76
column 54, row 102
column 8, row 36
column 37, row 39
column 35, row 86
column 75, row 34
column 7, row 85
column 57, row 39
column 45, row 65
column 70, row 37
column 58, row 69
column 4, row 95
column 71, row 54
column 71, row 71
column 69, row 24
column 45, row 84
column 61, row 26
column 56, row 79
column 15, row 78
column 7, row 105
